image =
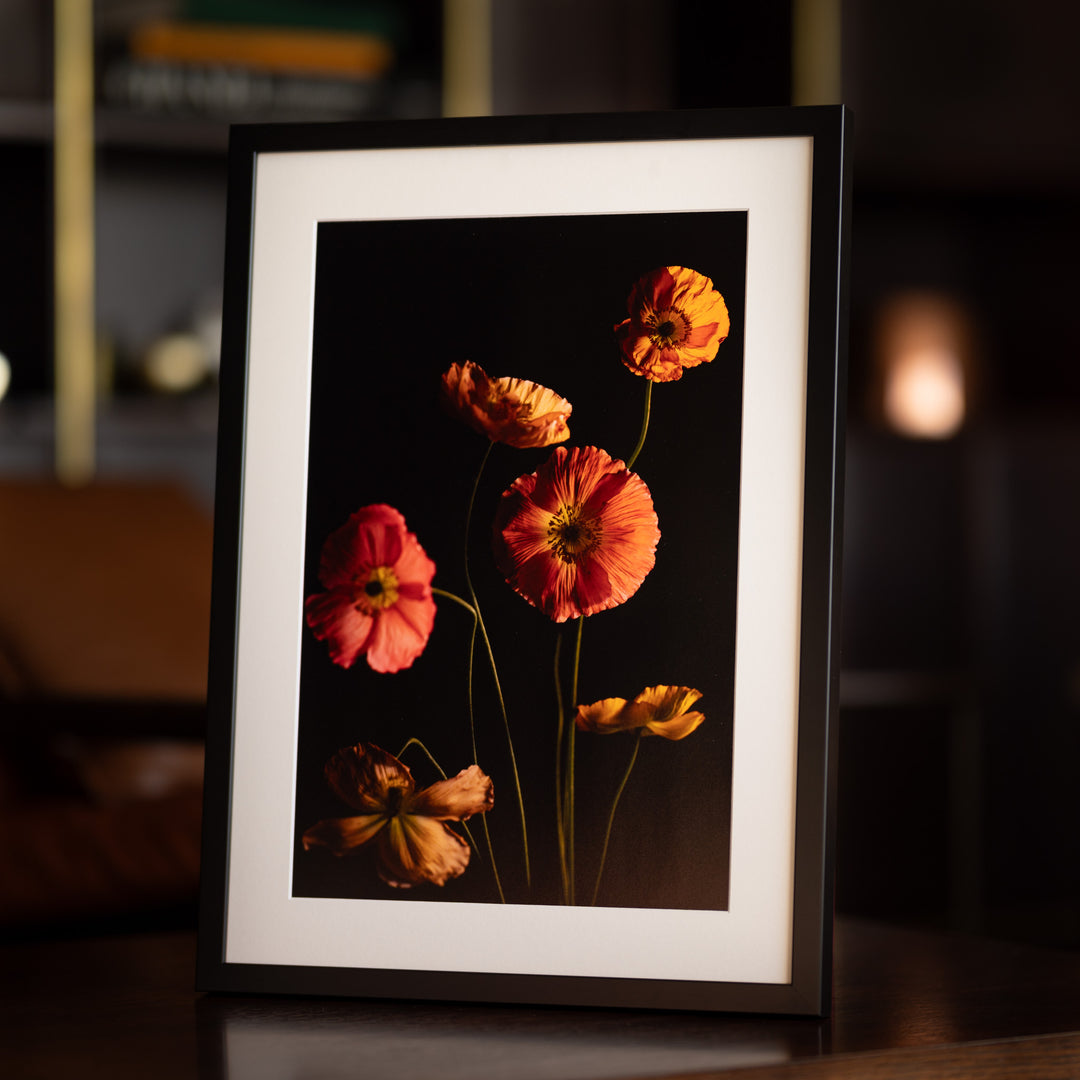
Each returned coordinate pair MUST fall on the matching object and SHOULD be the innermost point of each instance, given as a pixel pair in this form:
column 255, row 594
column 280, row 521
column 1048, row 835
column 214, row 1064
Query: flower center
column 668, row 328
column 394, row 798
column 380, row 591
column 571, row 536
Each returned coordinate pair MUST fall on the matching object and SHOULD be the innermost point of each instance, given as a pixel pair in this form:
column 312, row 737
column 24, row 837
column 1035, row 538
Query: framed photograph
column 523, row 653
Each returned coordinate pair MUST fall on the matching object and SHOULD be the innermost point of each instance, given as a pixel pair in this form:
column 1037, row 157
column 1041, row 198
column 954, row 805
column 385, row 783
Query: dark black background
column 396, row 303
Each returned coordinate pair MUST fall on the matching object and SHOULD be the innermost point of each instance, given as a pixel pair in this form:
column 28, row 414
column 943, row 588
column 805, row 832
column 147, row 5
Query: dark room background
column 960, row 694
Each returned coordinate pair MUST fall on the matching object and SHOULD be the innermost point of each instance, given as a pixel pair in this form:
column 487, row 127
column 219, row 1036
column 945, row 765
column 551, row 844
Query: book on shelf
column 249, row 71
column 280, row 50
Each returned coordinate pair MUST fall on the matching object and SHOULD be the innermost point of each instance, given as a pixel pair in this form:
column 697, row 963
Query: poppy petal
column 375, row 570
column 363, row 775
column 457, row 799
column 669, row 707
column 343, row 836
column 400, row 634
column 578, row 536
column 373, row 536
column 514, row 411
column 660, row 710
column 610, row 715
column 681, row 298
column 678, row 727
column 592, row 590
column 334, row 618
column 415, row 849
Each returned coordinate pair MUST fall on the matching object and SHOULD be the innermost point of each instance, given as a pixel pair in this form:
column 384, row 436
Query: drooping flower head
column 414, row 843
column 677, row 320
column 378, row 592
column 512, row 411
column 658, row 710
column 577, row 536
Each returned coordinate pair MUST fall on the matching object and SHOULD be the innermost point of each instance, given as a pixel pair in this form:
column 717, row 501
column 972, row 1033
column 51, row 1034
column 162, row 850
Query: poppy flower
column 577, row 536
column 378, row 592
column 409, row 828
column 512, row 411
column 659, row 710
column 677, row 320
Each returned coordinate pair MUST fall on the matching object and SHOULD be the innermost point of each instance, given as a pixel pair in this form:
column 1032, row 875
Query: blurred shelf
column 137, row 436
column 32, row 122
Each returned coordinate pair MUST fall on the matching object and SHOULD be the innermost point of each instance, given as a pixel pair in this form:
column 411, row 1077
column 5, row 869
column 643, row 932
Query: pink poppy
column 378, row 599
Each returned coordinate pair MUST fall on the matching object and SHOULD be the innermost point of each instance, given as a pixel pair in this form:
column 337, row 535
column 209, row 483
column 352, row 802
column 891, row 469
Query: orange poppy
column 512, row 411
column 378, row 599
column 677, row 320
column 659, row 710
column 577, row 536
column 414, row 843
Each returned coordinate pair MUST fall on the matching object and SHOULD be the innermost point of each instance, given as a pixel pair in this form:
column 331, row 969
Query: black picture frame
column 788, row 171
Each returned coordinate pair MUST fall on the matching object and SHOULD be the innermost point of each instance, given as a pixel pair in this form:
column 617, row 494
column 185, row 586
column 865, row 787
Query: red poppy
column 414, row 843
column 378, row 592
column 577, row 536
column 659, row 710
column 677, row 320
column 512, row 411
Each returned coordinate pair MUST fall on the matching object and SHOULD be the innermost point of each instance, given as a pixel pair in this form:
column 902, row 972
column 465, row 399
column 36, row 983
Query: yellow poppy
column 659, row 710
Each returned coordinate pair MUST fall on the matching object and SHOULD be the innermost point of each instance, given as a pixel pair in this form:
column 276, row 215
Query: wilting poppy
column 659, row 710
column 677, row 320
column 378, row 592
column 414, row 842
column 577, row 536
column 512, row 411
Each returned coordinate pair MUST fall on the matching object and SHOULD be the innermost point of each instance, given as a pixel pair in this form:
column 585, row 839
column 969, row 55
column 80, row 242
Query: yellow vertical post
column 467, row 78
column 816, row 52
column 73, row 208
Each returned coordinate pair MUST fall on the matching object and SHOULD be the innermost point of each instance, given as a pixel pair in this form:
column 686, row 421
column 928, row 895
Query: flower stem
column 417, row 742
column 472, row 725
column 611, row 817
column 457, row 600
column 560, row 827
column 644, row 425
column 570, row 758
column 439, row 770
column 491, row 659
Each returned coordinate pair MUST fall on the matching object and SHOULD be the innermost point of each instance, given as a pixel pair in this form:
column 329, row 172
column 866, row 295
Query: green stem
column 417, row 742
column 472, row 724
column 570, row 759
column 491, row 659
column 439, row 770
column 611, row 817
column 560, row 827
column 457, row 600
column 644, row 425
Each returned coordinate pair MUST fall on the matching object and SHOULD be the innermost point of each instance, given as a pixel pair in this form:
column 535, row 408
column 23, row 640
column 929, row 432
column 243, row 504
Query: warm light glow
column 5, row 375
column 924, row 393
column 924, row 365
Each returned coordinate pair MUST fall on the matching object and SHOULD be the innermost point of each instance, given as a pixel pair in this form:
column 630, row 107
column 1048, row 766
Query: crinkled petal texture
column 659, row 710
column 413, row 850
column 577, row 536
column 414, row 843
column 378, row 600
column 513, row 411
column 468, row 793
column 677, row 320
column 363, row 777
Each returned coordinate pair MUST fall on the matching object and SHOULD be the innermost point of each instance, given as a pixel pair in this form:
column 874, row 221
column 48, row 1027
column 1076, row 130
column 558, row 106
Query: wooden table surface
column 906, row 1004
